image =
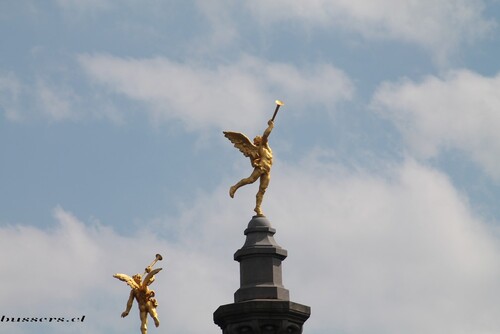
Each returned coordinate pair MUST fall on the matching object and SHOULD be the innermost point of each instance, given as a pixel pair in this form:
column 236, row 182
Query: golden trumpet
column 150, row 267
column 278, row 105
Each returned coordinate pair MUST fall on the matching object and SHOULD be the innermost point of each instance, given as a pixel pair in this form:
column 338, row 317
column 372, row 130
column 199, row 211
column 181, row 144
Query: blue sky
column 386, row 176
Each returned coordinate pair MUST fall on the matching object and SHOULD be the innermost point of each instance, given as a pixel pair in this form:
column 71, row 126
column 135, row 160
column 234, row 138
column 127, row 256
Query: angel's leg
column 154, row 315
column 251, row 179
column 264, row 182
column 144, row 322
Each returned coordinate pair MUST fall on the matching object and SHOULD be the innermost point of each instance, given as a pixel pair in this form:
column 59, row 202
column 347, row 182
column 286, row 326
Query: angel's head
column 137, row 278
column 257, row 140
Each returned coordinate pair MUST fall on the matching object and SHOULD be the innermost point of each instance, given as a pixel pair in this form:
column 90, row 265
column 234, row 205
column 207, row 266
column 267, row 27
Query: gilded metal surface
column 261, row 158
column 142, row 294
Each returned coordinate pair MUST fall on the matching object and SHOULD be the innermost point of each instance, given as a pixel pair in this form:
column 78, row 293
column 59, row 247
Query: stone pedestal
column 262, row 304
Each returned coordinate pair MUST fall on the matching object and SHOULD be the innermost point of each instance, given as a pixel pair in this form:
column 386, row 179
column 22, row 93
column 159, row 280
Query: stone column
column 262, row 304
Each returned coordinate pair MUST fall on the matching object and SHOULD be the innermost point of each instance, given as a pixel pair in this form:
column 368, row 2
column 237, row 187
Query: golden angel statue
column 261, row 158
column 142, row 294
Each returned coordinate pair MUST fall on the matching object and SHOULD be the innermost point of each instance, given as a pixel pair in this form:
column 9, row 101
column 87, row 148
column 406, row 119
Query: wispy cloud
column 22, row 101
column 459, row 110
column 56, row 103
column 42, row 99
column 219, row 96
column 84, row 5
column 10, row 95
column 440, row 27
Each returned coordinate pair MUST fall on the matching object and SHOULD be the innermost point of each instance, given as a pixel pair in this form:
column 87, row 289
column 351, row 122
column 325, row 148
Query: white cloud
column 225, row 96
column 439, row 26
column 457, row 111
column 21, row 101
column 375, row 254
column 369, row 253
column 57, row 103
column 84, row 5
column 10, row 91
column 222, row 22
column 67, row 272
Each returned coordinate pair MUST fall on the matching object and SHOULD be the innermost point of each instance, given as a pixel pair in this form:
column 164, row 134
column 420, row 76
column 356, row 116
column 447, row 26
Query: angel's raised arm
column 267, row 132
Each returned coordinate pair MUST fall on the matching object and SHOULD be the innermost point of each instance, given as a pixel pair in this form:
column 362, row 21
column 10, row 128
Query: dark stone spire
column 262, row 304
column 260, row 264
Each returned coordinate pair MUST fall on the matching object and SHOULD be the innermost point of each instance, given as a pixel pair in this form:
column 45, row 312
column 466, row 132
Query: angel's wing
column 150, row 277
column 242, row 143
column 127, row 279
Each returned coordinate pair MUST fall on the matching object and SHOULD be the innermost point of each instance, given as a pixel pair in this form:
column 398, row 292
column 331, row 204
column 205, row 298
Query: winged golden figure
column 143, row 295
column 261, row 158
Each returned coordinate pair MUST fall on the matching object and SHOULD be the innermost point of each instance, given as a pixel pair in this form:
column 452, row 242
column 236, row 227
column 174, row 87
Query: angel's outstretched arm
column 267, row 132
column 129, row 304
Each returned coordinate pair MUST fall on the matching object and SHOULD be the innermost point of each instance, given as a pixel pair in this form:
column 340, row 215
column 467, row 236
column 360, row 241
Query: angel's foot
column 157, row 322
column 232, row 190
column 258, row 211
